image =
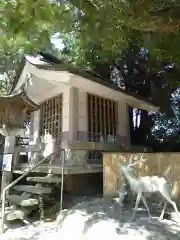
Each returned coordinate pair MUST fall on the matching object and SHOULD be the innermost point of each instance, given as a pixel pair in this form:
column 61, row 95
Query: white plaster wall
column 75, row 120
column 39, row 89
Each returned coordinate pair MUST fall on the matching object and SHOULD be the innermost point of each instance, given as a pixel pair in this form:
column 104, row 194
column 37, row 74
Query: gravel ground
column 95, row 219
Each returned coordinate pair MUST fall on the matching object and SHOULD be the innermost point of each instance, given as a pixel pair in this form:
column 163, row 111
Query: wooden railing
column 74, row 146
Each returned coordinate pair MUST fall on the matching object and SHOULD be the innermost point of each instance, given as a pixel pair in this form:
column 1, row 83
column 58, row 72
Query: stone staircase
column 31, row 197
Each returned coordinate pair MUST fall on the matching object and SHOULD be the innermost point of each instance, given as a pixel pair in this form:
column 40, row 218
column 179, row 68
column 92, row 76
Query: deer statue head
column 130, row 165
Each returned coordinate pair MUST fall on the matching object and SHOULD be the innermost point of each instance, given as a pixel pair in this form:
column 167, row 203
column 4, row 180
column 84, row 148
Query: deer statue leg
column 145, row 204
column 163, row 211
column 165, row 194
column 138, row 198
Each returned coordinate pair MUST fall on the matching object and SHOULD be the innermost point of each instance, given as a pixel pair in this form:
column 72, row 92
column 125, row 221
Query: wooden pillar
column 69, row 120
column 33, row 157
column 7, row 165
column 123, row 128
column 69, row 114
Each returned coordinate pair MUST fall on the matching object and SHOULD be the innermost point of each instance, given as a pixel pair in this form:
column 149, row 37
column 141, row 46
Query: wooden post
column 7, row 160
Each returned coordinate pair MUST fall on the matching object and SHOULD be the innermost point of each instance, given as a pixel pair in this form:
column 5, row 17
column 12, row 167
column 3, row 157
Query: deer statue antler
column 141, row 160
column 130, row 160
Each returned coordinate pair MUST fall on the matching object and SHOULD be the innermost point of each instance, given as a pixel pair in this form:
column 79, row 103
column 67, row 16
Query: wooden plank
column 91, row 117
column 75, row 145
column 113, row 118
column 100, row 116
column 104, row 119
column 95, row 118
column 83, row 145
column 67, row 169
column 116, row 118
column 109, row 117
column 30, row 148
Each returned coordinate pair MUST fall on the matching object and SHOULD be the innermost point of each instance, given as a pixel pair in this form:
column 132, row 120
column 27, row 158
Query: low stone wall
column 167, row 164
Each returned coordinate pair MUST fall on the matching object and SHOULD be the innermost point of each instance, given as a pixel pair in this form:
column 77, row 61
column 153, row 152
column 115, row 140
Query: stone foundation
column 84, row 184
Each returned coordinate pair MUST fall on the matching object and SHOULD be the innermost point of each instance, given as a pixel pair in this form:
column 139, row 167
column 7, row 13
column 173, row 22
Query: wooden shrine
column 13, row 112
column 13, row 109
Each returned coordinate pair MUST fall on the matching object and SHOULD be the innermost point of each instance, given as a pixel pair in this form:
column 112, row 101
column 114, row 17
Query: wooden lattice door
column 102, row 122
column 51, row 118
column 102, row 118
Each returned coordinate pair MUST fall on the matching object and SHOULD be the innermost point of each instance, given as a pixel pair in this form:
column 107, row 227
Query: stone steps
column 22, row 201
column 47, row 179
column 32, row 189
column 17, row 214
column 11, row 213
column 24, row 198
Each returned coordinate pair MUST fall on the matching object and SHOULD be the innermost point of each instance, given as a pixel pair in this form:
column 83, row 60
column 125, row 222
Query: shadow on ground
column 105, row 216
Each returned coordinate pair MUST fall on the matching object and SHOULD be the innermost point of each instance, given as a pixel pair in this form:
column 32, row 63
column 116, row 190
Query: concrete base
column 45, row 168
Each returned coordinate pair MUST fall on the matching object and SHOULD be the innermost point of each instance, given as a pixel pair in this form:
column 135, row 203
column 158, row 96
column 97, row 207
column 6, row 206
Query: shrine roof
column 19, row 97
column 51, row 63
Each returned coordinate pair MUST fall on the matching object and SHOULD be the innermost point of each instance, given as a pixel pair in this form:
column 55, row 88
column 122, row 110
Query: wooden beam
column 85, row 145
column 30, row 148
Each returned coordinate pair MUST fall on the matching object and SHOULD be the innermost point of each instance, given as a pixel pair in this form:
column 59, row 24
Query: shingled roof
column 19, row 97
column 51, row 63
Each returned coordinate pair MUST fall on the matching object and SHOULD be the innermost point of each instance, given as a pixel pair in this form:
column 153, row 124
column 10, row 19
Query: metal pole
column 62, row 178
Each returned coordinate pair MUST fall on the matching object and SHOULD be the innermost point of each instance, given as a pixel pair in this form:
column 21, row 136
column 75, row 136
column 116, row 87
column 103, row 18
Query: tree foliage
column 105, row 37
column 26, row 27
column 110, row 24
column 97, row 34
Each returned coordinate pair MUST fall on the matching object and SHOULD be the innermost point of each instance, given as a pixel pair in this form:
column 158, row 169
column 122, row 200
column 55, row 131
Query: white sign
column 7, row 162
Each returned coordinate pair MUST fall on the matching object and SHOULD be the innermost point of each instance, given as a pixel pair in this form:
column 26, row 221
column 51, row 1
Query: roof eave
column 82, row 73
column 66, row 67
column 18, row 74
column 20, row 96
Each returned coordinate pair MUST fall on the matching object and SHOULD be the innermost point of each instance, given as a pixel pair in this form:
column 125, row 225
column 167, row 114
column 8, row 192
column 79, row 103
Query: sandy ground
column 94, row 220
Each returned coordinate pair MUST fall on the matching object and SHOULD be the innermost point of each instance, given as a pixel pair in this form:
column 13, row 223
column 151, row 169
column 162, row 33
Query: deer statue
column 49, row 144
column 148, row 184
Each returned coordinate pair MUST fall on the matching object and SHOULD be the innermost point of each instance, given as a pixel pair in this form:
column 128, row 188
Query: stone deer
column 148, row 184
column 48, row 144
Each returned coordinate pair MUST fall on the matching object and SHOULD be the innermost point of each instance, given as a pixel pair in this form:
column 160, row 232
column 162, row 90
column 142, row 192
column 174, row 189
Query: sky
column 55, row 39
